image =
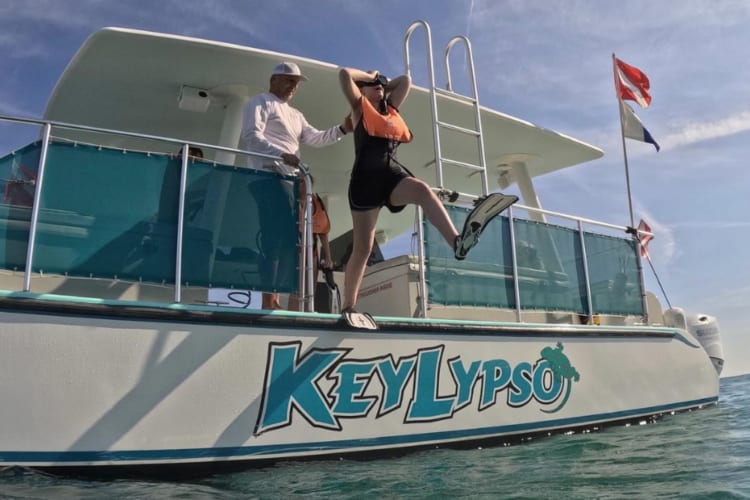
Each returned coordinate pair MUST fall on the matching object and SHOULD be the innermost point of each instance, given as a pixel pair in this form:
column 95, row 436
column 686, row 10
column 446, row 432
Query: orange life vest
column 388, row 126
column 320, row 222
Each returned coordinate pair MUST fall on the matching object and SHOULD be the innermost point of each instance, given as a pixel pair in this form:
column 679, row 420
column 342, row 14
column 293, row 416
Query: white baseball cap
column 288, row 68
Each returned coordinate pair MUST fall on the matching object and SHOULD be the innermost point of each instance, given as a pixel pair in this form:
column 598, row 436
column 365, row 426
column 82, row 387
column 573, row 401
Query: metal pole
column 514, row 261
column 306, row 274
column 622, row 136
column 421, row 266
column 181, row 225
column 644, row 299
column 632, row 229
column 587, row 279
column 35, row 207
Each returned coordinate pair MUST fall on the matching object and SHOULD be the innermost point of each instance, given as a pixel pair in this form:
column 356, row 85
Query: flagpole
column 622, row 136
column 632, row 228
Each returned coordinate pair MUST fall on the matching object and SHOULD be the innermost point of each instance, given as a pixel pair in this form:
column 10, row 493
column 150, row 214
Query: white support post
column 520, row 172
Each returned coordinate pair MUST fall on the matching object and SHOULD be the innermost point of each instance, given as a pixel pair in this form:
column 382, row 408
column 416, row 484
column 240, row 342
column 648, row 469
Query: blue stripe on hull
column 320, row 448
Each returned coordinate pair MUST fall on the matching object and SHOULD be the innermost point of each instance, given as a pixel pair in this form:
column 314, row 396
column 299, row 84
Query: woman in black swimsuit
column 377, row 178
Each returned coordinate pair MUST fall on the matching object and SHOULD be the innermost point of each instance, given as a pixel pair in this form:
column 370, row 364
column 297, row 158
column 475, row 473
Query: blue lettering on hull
column 294, row 378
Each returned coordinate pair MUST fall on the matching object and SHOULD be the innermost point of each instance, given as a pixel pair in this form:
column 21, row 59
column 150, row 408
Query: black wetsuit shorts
column 376, row 172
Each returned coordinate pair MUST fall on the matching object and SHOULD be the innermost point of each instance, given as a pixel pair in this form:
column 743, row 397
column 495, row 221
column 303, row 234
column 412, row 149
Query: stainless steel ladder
column 437, row 124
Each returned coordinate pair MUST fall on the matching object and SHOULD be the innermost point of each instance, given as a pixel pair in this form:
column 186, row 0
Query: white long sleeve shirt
column 271, row 126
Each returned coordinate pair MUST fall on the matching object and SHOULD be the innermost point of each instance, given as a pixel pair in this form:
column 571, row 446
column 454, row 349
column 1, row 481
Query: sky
column 548, row 62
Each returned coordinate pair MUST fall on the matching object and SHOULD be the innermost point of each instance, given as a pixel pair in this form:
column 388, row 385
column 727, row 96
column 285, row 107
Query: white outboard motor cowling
column 706, row 329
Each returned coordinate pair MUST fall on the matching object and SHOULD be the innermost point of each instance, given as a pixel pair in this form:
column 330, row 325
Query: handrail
column 173, row 140
column 306, row 284
column 433, row 95
column 470, row 197
column 475, row 94
column 276, row 158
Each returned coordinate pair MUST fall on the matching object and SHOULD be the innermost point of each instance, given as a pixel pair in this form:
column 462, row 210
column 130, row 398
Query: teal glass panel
column 254, row 219
column 99, row 215
column 484, row 278
column 613, row 271
column 108, row 213
column 550, row 267
column 18, row 170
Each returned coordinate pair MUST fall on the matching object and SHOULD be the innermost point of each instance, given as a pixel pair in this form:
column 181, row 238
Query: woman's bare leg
column 363, row 235
column 413, row 190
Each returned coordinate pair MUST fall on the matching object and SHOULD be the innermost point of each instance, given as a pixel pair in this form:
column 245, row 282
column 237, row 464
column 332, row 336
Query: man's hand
column 348, row 124
column 326, row 263
column 290, row 159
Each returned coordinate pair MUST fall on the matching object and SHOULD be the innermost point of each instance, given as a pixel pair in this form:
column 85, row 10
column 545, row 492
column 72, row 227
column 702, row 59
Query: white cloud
column 713, row 225
column 20, row 46
column 703, row 131
column 12, row 109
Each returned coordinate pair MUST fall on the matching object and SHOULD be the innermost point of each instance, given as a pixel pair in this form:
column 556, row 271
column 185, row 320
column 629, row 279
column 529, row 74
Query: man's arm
column 319, row 138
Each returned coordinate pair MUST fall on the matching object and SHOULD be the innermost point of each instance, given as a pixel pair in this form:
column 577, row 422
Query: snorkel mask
column 381, row 80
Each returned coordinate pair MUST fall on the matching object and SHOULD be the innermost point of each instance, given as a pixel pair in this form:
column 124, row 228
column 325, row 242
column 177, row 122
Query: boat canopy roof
column 131, row 80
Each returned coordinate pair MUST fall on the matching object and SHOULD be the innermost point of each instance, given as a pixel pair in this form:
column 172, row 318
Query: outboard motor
column 706, row 329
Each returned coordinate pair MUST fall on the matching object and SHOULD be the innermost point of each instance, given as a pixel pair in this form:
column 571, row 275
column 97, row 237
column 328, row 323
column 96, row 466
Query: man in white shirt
column 271, row 126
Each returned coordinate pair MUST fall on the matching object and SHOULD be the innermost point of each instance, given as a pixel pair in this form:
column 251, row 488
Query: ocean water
column 699, row 454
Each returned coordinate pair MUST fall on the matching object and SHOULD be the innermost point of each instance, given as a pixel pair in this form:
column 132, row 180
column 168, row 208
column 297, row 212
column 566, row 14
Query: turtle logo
column 561, row 369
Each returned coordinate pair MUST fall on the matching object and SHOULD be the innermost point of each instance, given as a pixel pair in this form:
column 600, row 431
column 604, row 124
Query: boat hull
column 94, row 384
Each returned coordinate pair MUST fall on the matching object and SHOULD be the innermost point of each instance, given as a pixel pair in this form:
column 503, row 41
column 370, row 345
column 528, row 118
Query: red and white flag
column 644, row 239
column 632, row 83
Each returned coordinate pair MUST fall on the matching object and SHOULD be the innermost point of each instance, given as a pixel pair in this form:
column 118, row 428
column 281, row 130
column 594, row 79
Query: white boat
column 117, row 355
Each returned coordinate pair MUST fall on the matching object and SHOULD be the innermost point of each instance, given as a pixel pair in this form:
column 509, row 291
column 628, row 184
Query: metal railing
column 306, row 279
column 579, row 223
column 306, row 283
